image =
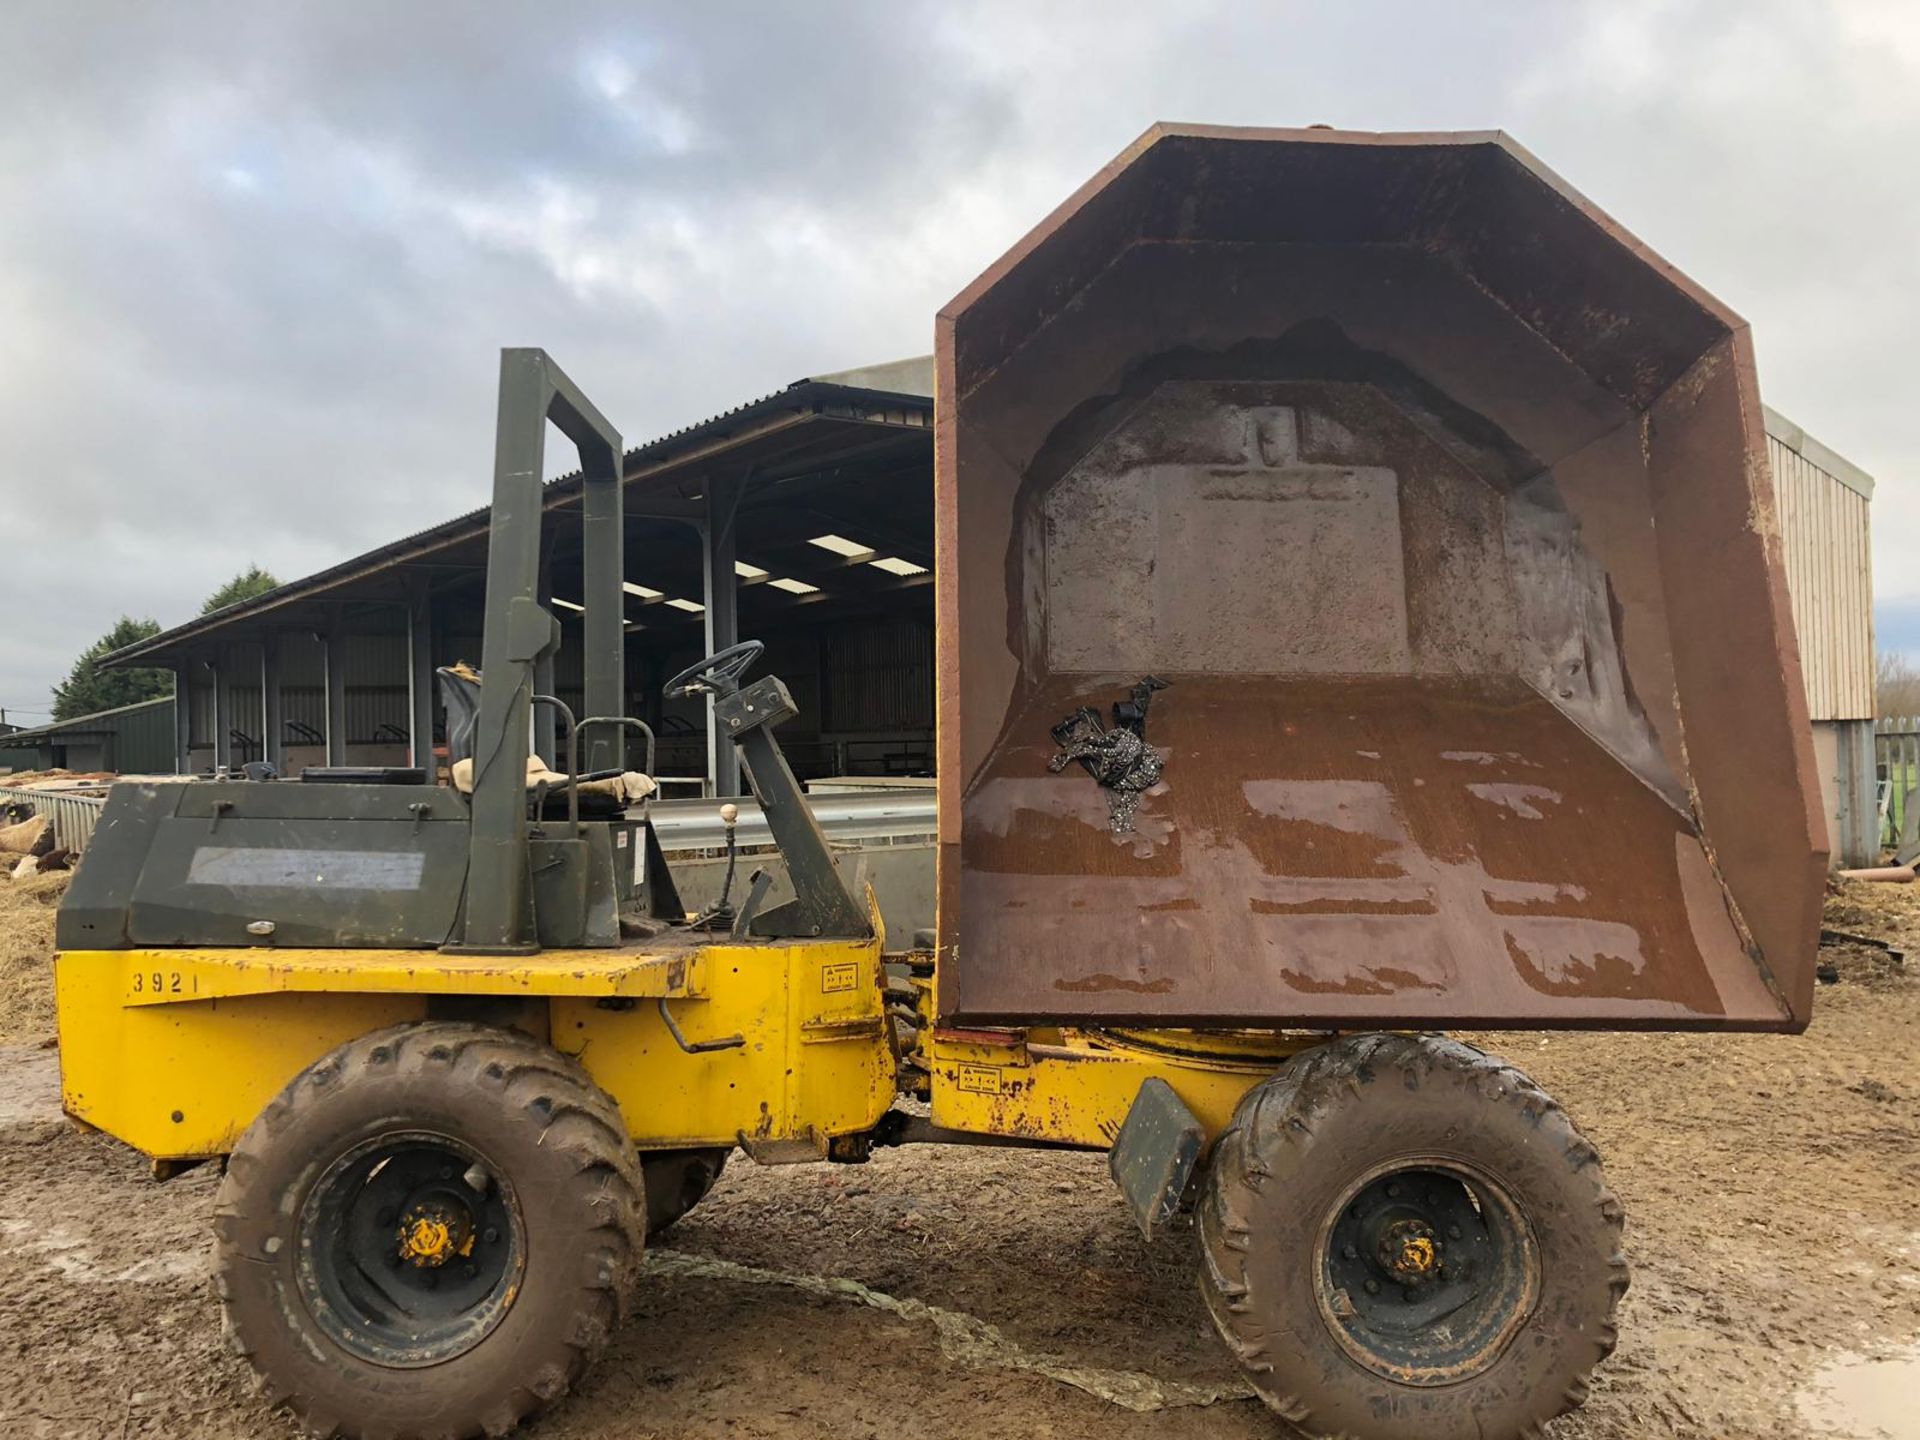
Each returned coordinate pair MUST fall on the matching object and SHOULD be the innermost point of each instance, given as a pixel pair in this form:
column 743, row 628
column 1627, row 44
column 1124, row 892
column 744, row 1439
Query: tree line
column 89, row 688
column 1896, row 685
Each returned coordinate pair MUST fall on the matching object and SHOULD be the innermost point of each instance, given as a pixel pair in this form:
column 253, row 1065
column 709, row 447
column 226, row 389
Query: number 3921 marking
column 164, row 982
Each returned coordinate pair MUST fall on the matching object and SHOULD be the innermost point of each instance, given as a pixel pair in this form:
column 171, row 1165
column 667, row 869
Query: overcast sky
column 256, row 261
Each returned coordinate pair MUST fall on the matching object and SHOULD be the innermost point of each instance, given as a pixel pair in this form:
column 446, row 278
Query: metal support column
column 722, row 596
column 546, row 722
column 652, row 704
column 222, row 713
column 1856, row 838
column 183, row 718
column 334, row 643
column 603, row 558
column 273, row 715
column 420, row 679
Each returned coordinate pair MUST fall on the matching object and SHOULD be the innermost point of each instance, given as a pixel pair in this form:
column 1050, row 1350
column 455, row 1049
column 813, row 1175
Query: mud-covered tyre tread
column 1272, row 1130
column 574, row 1120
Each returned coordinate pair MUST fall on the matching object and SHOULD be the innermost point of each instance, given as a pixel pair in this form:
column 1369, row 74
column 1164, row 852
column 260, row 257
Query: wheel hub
column 435, row 1230
column 1426, row 1271
column 1409, row 1252
column 411, row 1249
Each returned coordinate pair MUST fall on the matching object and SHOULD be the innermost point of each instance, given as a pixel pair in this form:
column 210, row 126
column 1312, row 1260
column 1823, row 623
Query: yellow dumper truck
column 1359, row 614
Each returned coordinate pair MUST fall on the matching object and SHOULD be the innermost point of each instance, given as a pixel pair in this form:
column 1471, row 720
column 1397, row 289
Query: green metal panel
column 93, row 916
column 325, row 865
column 143, row 741
column 377, row 865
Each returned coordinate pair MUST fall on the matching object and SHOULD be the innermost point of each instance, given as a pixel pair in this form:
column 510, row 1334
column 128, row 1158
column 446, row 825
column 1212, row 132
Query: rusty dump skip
column 1440, row 503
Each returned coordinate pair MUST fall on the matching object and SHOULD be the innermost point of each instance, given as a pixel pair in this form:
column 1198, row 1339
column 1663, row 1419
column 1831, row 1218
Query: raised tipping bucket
column 1439, row 505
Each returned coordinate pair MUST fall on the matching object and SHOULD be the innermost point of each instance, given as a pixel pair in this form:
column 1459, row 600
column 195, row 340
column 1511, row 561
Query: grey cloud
column 255, row 261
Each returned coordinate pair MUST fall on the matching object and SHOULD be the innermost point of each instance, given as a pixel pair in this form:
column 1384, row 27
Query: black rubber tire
column 678, row 1180
column 1297, row 1145
column 551, row 1133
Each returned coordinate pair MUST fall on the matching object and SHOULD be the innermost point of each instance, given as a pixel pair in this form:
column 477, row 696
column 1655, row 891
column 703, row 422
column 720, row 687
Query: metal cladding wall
column 1442, row 503
column 1825, row 535
column 143, row 740
column 133, row 740
column 880, row 676
column 376, row 693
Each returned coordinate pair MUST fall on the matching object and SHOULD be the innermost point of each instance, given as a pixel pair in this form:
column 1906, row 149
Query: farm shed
column 11, row 758
column 804, row 519
column 130, row 739
column 1824, row 504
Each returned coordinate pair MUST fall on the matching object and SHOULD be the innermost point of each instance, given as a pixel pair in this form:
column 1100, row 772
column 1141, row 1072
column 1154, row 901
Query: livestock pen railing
column 74, row 813
column 1896, row 766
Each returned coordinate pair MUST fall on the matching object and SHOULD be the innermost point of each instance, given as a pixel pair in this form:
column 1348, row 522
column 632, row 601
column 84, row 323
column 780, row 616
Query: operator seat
column 603, row 794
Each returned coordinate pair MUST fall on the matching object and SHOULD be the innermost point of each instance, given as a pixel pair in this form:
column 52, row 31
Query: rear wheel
column 1404, row 1237
column 429, row 1233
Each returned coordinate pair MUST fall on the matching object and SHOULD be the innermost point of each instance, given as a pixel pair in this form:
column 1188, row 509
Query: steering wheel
column 717, row 674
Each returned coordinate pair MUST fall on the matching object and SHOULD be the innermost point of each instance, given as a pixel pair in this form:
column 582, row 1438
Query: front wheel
column 1404, row 1237
column 431, row 1232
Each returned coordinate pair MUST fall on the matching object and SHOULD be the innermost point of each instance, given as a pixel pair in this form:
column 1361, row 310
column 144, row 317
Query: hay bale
column 26, row 956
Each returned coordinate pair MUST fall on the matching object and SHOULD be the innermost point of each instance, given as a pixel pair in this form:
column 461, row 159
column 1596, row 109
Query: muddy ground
column 1772, row 1188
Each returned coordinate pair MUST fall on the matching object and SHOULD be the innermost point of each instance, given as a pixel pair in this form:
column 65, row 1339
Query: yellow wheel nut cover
column 427, row 1241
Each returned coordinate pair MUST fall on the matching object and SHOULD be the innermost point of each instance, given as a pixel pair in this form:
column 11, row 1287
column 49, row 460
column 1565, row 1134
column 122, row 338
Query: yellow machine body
column 1074, row 1087
column 176, row 1051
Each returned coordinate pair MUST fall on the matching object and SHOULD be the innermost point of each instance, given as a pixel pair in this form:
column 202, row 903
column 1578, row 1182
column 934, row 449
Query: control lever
column 719, row 915
column 758, row 884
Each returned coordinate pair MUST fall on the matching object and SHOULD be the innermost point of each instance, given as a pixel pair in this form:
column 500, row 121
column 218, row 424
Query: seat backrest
column 460, row 693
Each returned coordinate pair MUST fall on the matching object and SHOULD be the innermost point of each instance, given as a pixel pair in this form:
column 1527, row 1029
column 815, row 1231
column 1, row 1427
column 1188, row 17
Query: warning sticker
column 843, row 975
column 980, row 1079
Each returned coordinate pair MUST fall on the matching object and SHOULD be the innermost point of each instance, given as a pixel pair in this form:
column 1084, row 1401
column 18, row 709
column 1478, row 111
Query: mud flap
column 1153, row 1157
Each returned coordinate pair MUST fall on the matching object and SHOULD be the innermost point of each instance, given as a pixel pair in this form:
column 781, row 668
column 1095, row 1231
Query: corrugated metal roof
column 85, row 722
column 837, row 395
